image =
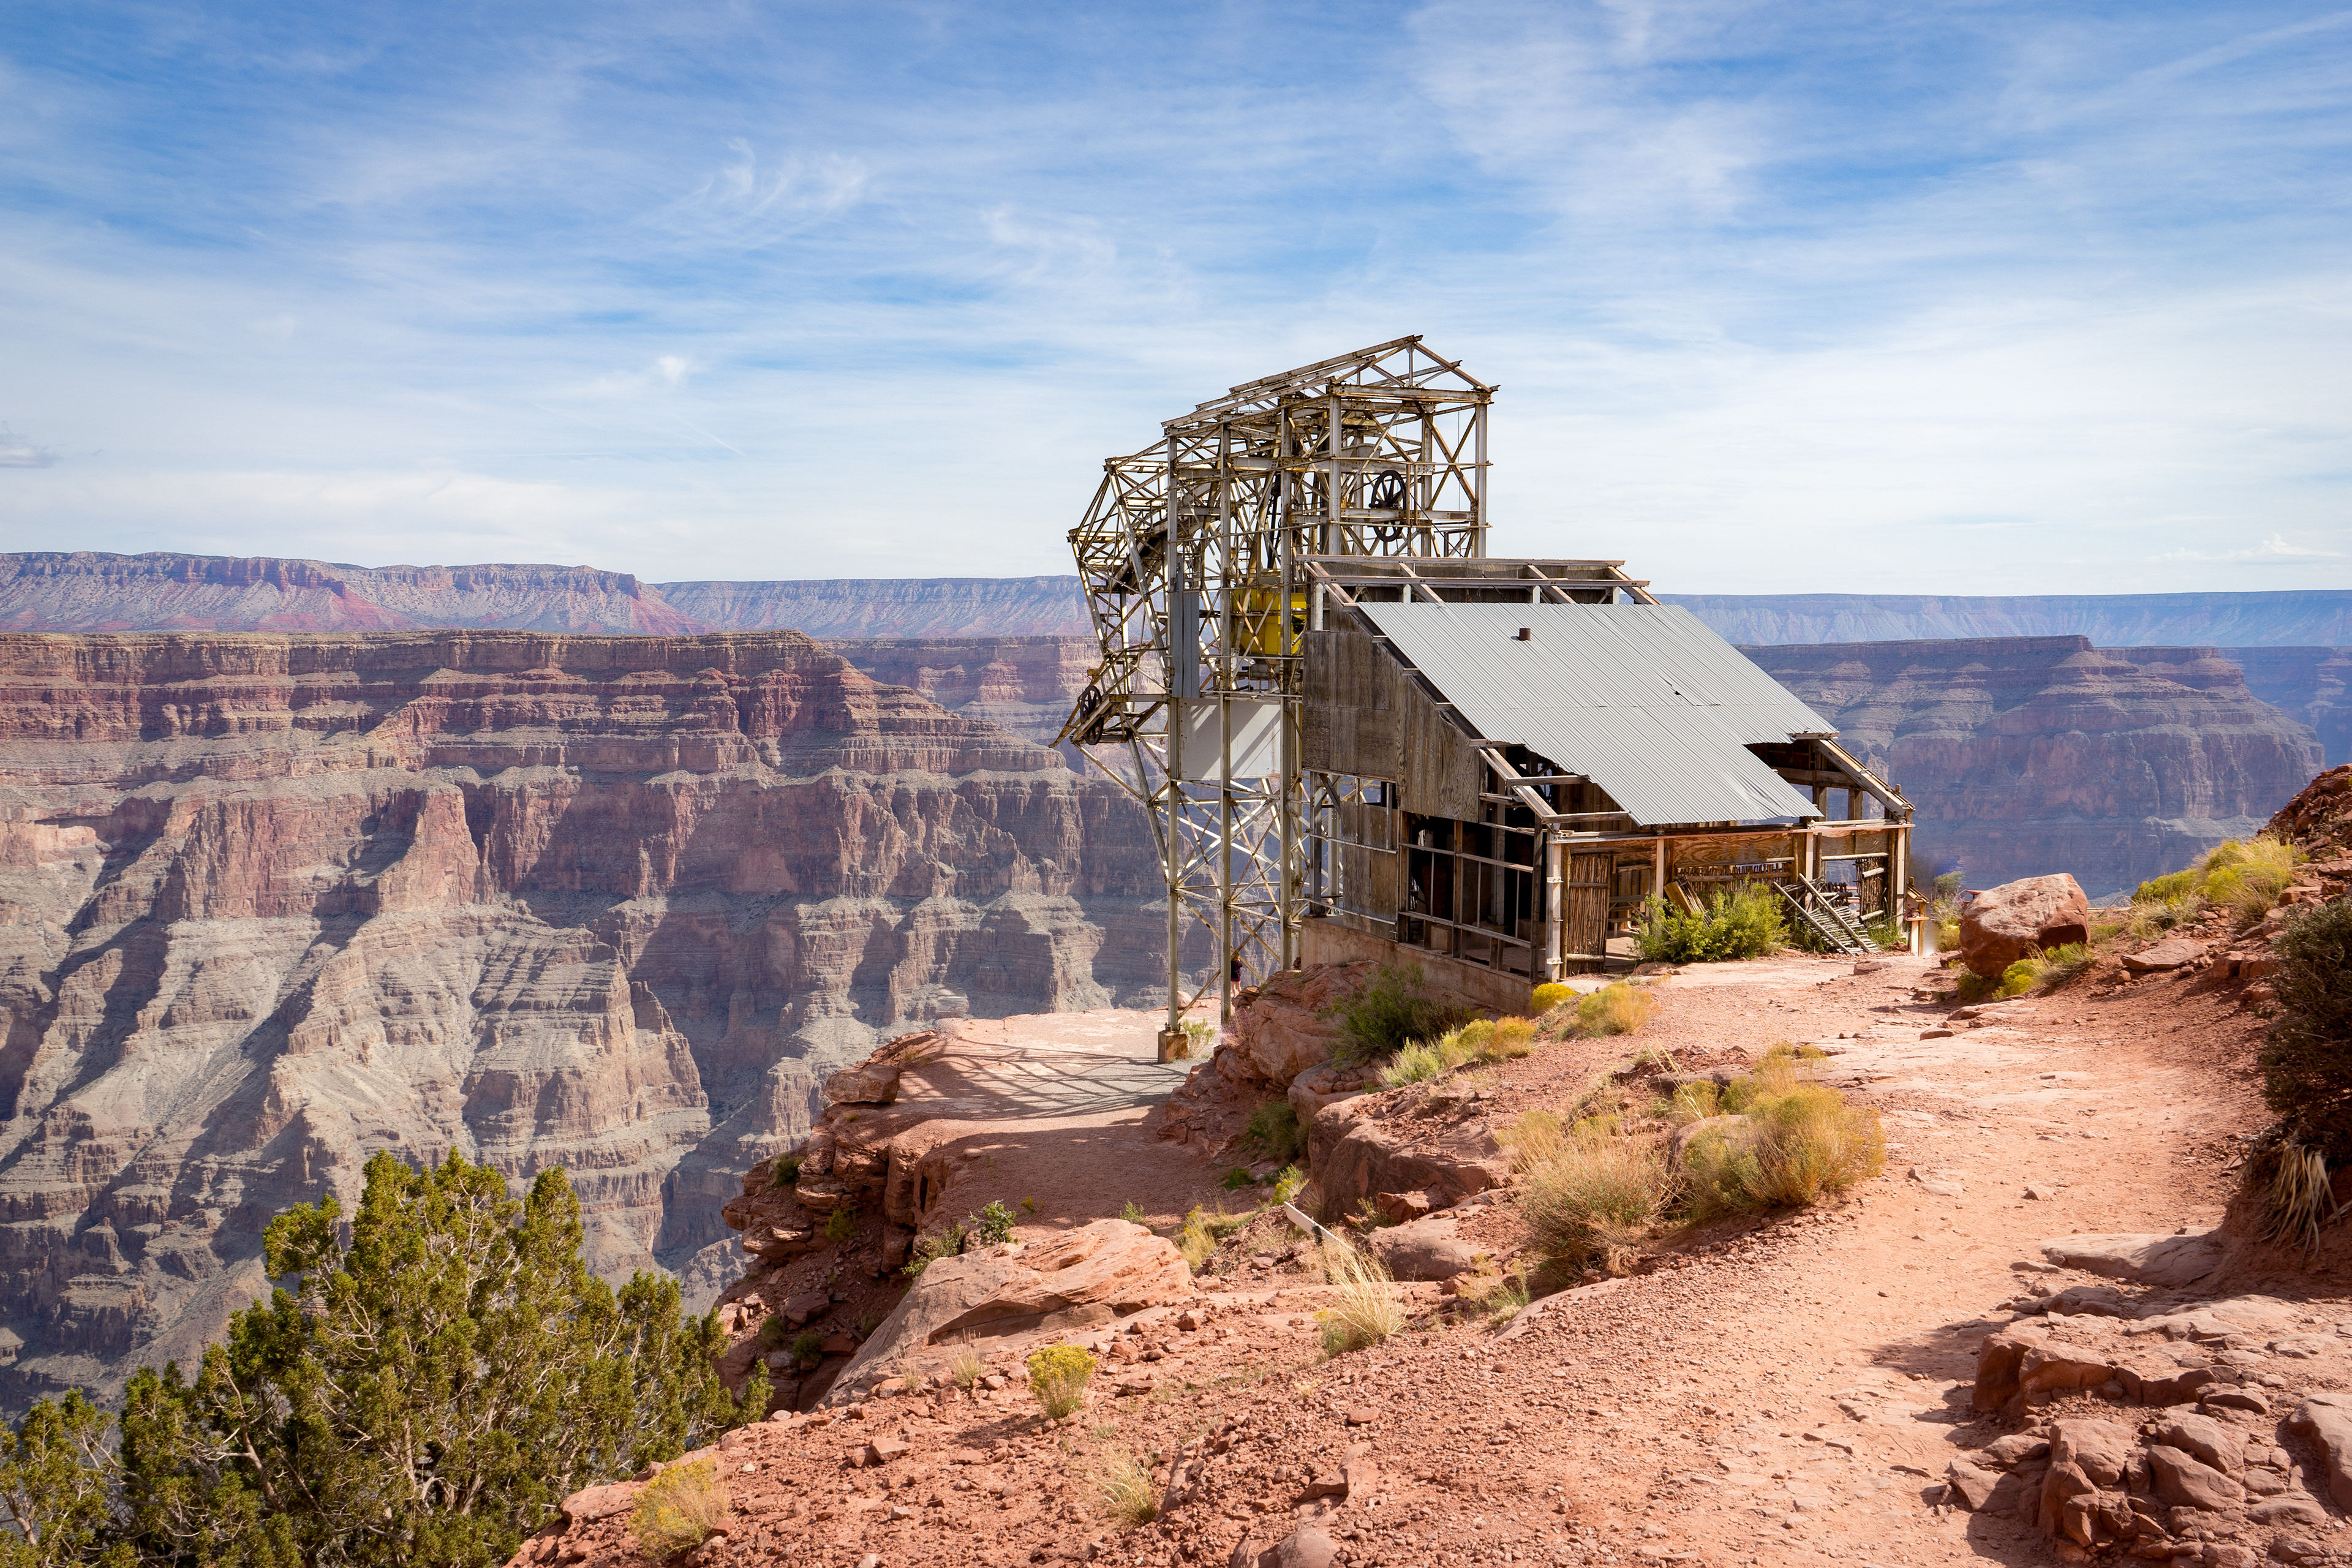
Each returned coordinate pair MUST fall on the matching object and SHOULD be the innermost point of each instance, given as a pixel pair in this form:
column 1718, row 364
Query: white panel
column 1257, row 738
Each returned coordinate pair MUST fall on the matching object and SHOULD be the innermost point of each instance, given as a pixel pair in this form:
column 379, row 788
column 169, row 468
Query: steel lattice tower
column 1190, row 558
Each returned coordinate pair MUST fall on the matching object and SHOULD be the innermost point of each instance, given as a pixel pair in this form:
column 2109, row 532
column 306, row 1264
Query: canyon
column 270, row 902
column 2026, row 756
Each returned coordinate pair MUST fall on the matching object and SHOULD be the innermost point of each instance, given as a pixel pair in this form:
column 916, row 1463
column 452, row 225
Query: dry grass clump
column 1058, row 1375
column 1596, row 1197
column 1479, row 1040
column 964, row 1365
column 1123, row 1486
column 1534, row 1139
column 2299, row 1198
column 1618, row 1009
column 1794, row 1143
column 1489, row 1040
column 2244, row 877
column 1367, row 1309
column 1415, row 1064
column 679, row 1509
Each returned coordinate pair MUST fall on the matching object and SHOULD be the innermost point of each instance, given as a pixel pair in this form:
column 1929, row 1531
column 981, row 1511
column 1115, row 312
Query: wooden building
column 1503, row 761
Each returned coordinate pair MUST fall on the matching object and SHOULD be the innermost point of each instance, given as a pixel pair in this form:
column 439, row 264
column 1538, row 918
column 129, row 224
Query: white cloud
column 2273, row 551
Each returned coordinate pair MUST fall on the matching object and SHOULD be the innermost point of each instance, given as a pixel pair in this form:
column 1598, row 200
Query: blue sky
column 1970, row 298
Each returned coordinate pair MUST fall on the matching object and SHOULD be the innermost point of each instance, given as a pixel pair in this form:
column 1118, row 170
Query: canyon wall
column 891, row 606
column 2028, row 755
column 87, row 591
column 2278, row 618
column 270, row 903
column 1024, row 685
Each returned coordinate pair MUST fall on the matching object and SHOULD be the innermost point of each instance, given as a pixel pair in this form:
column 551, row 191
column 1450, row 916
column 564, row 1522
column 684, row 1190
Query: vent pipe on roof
column 1527, row 633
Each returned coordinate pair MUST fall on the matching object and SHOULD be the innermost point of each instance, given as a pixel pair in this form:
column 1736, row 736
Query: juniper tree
column 423, row 1392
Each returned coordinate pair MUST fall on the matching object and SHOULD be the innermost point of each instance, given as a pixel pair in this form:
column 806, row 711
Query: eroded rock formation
column 2028, row 755
column 613, row 903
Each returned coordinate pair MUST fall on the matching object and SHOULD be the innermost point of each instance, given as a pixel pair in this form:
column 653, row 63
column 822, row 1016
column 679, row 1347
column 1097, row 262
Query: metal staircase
column 1813, row 909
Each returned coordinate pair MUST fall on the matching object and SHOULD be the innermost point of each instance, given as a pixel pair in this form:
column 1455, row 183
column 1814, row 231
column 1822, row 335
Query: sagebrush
column 1394, row 1009
column 1058, row 1375
column 679, row 1509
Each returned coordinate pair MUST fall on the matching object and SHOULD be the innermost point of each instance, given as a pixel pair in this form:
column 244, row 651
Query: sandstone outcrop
column 1278, row 1047
column 2025, row 754
column 1016, row 1293
column 2000, row 925
column 1440, row 1143
column 2194, row 1451
column 613, row 903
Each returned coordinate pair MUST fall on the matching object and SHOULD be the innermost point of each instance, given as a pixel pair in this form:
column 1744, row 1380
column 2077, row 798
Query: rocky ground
column 1788, row 1389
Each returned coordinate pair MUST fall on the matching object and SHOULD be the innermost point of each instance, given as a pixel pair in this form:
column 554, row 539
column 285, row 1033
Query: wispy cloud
column 15, row 452
column 2273, row 551
column 1998, row 298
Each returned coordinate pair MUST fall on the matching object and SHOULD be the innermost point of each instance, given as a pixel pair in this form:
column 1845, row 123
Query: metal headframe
column 1188, row 555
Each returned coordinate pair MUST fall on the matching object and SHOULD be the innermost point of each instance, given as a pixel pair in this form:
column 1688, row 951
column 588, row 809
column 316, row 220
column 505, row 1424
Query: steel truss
column 1189, row 555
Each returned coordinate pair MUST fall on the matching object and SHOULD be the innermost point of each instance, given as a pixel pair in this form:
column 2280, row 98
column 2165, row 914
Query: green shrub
column 841, row 1225
column 1547, row 996
column 1743, row 922
column 679, row 1509
column 1236, row 1179
column 1618, row 1009
column 992, row 1226
column 1273, row 1131
column 773, row 1331
column 1947, row 887
column 2306, row 1062
column 1058, row 1376
column 930, row 1250
column 1133, row 1212
column 2019, row 978
column 787, row 1172
column 1395, row 1009
column 808, row 1347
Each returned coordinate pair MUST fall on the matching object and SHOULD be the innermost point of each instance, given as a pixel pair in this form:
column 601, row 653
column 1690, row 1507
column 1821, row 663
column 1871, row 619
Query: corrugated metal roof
column 1643, row 700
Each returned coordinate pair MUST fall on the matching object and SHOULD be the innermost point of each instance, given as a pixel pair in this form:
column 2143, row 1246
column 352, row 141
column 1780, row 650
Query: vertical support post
column 1554, row 908
column 1228, row 580
column 1177, row 682
column 1658, row 871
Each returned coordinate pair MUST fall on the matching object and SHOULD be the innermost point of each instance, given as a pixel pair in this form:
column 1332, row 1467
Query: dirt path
column 1795, row 1395
column 1048, row 1107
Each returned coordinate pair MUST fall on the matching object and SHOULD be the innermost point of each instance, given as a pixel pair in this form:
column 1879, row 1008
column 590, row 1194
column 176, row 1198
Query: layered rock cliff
column 891, row 606
column 1025, row 685
column 268, row 903
column 2029, row 755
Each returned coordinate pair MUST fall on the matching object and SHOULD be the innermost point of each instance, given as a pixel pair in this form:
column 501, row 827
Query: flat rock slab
column 2158, row 1259
column 2172, row 952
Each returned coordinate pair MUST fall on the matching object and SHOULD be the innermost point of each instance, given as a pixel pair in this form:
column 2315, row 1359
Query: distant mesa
column 88, row 591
